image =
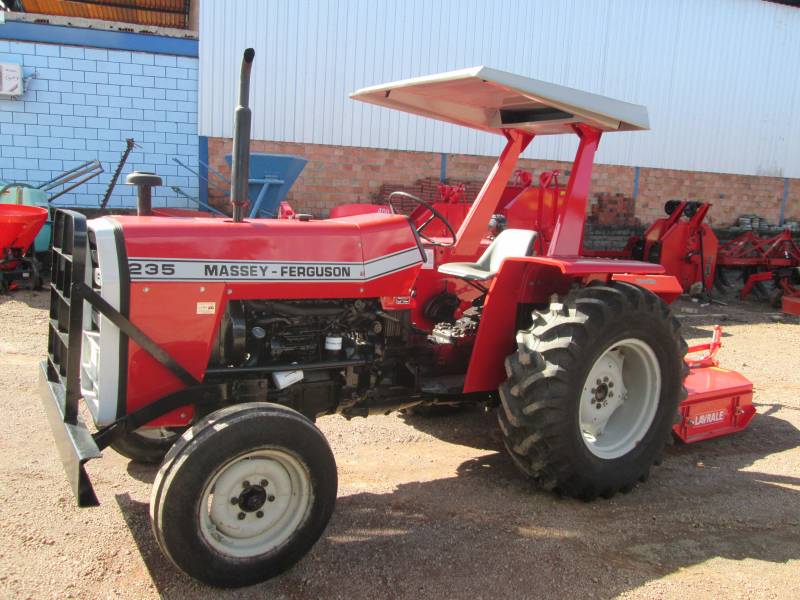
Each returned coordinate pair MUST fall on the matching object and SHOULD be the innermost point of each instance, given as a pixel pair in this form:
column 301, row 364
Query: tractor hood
column 354, row 250
column 491, row 100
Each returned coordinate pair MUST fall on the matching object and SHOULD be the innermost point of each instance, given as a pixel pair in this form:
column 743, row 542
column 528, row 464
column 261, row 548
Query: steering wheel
column 435, row 214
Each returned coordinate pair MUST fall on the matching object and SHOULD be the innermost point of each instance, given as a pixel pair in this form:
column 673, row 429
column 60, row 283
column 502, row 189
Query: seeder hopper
column 19, row 226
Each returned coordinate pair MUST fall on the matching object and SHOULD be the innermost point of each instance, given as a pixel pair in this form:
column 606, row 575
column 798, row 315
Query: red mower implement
column 211, row 345
column 19, row 226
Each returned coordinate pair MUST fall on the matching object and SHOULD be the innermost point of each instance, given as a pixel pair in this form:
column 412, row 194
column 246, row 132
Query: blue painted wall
column 81, row 103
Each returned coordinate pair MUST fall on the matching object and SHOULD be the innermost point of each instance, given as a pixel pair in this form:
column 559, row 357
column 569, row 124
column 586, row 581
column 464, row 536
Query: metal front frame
column 59, row 375
column 60, row 386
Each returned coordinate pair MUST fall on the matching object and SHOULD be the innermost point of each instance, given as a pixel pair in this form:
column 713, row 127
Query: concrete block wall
column 339, row 174
column 82, row 103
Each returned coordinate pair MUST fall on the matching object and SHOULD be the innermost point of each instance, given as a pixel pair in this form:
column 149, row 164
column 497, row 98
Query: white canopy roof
column 492, row 100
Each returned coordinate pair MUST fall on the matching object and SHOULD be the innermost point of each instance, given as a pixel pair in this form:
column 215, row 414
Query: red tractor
column 211, row 345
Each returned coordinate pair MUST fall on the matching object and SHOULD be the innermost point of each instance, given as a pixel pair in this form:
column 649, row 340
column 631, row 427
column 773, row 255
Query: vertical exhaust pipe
column 240, row 165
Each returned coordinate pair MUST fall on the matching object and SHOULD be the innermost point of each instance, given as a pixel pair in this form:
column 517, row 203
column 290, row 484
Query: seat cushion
column 464, row 270
column 509, row 243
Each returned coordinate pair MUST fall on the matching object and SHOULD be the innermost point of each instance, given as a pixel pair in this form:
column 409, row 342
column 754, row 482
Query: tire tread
column 534, row 398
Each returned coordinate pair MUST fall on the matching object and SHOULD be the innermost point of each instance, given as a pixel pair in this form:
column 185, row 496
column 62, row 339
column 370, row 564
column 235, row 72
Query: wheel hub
column 252, row 498
column 605, row 392
column 601, row 392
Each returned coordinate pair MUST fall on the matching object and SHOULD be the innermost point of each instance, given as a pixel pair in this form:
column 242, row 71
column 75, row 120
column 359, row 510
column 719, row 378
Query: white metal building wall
column 721, row 78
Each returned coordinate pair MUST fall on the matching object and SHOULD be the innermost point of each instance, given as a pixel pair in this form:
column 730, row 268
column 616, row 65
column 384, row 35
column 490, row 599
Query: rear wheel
column 244, row 494
column 593, row 390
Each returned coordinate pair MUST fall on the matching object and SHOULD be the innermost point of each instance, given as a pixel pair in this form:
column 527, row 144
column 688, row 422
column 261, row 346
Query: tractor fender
column 533, row 280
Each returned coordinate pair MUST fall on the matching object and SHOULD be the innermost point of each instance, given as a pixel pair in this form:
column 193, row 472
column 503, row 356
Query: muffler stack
column 240, row 165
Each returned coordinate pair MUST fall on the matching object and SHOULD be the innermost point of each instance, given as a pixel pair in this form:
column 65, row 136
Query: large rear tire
column 593, row 390
column 244, row 494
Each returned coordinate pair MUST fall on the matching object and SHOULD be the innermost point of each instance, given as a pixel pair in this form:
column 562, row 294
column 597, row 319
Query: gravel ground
column 432, row 507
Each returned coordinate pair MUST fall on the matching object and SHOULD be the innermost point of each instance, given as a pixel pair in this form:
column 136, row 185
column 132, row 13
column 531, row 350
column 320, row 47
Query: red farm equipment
column 19, row 226
column 682, row 242
column 760, row 260
column 688, row 249
column 211, row 345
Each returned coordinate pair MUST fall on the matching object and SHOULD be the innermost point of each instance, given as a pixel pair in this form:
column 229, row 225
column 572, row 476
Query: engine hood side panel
column 183, row 272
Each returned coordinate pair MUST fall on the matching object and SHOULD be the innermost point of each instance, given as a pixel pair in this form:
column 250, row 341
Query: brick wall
column 338, row 174
column 82, row 103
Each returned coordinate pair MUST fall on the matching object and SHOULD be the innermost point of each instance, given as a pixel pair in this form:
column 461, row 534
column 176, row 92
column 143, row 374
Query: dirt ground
column 433, row 508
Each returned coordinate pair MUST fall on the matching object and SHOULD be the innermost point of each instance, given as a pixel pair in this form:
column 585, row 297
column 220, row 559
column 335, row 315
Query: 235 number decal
column 139, row 269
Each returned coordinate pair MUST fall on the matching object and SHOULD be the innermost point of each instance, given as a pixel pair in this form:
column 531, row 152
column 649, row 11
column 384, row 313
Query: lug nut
column 610, row 384
column 241, row 516
column 234, row 500
column 264, row 483
column 599, row 382
column 271, row 498
column 605, row 378
column 260, row 514
column 245, row 484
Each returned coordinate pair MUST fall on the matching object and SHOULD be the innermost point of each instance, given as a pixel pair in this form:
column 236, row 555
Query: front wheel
column 593, row 390
column 146, row 446
column 244, row 494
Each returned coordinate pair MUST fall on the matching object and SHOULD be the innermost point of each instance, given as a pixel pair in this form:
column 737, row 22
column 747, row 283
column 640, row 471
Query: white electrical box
column 10, row 80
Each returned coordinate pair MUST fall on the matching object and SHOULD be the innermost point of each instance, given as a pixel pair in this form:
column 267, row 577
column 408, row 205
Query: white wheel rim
column 619, row 398
column 157, row 434
column 272, row 489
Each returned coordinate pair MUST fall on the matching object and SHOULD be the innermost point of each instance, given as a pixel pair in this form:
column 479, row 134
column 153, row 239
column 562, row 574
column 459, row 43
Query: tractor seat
column 510, row 243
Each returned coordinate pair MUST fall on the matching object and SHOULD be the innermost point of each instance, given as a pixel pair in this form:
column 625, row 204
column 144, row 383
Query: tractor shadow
column 141, row 472
column 707, row 501
column 486, row 532
column 467, row 425
column 170, row 582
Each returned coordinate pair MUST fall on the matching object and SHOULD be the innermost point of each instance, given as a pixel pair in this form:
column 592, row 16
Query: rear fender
column 533, row 280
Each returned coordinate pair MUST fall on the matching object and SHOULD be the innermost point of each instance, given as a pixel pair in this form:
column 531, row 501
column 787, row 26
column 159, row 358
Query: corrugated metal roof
column 158, row 13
